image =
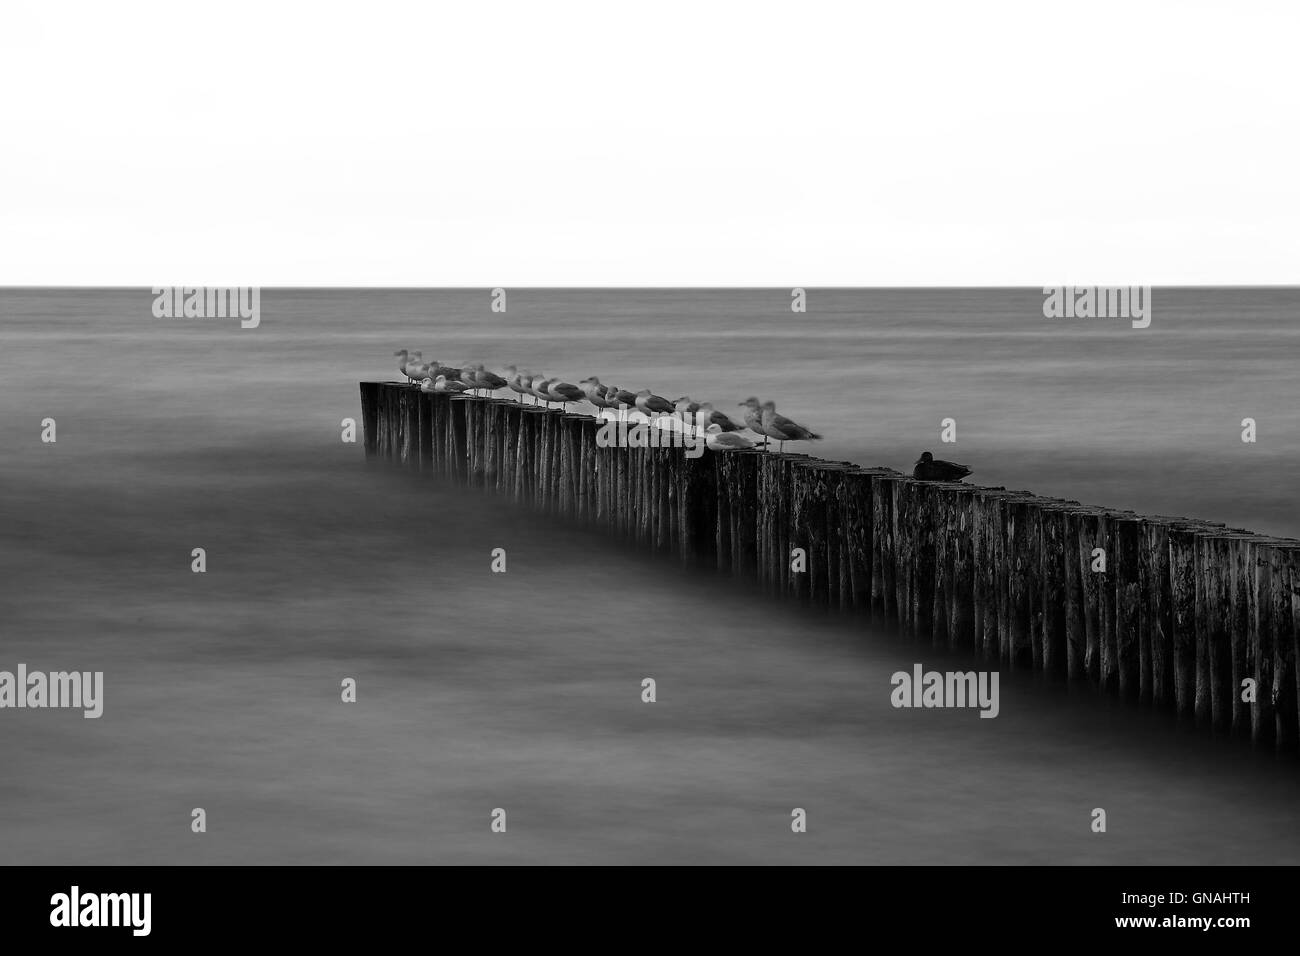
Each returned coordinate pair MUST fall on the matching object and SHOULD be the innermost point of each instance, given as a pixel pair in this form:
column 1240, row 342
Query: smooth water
column 522, row 691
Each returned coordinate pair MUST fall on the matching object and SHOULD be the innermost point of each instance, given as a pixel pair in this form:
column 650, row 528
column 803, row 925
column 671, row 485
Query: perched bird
column 783, row 429
column 754, row 417
column 402, row 356
column 444, row 385
column 594, row 391
column 436, row 368
column 649, row 403
column 413, row 366
column 427, row 386
column 483, row 380
column 685, row 407
column 563, row 392
column 537, row 386
column 718, row 440
column 623, row 397
column 515, row 380
column 708, row 415
column 929, row 468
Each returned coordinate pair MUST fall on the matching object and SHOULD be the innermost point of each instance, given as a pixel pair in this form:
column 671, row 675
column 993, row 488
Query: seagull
column 782, row 429
column 718, row 440
column 684, row 407
column 623, row 397
column 563, row 392
column 416, row 370
column 427, row 386
column 594, row 391
column 401, row 356
column 444, row 386
column 707, row 416
column 485, row 380
column 515, row 380
column 928, row 468
column 652, row 403
column 437, row 368
column 754, row 417
column 537, row 386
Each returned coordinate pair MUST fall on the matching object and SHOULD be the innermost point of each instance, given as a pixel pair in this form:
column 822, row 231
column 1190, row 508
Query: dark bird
column 930, row 468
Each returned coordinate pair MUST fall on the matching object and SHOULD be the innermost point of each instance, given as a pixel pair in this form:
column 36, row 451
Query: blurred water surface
column 522, row 690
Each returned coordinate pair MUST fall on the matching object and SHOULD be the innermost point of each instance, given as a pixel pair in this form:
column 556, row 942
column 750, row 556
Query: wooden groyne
column 1177, row 613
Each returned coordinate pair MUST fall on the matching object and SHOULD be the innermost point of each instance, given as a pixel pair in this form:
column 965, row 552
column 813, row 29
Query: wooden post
column 723, row 484
column 925, row 506
column 1183, row 588
column 1242, row 552
column 1271, row 646
column 459, row 460
column 1076, row 627
column 1155, row 629
column 510, row 425
column 798, row 495
column 856, row 525
column 1020, row 536
column 1104, row 573
column 1126, row 572
column 884, row 593
column 903, row 516
column 1286, row 597
column 1212, row 637
column 985, row 523
column 744, row 469
column 1053, row 542
column 960, row 569
column 370, row 418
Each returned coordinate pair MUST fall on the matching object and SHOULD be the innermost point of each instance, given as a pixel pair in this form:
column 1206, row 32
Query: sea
column 521, row 692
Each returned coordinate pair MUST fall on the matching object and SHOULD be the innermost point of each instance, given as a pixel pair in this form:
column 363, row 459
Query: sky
column 649, row 144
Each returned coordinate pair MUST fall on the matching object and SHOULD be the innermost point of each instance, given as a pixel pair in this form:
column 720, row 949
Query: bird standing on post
column 649, row 403
column 563, row 392
column 754, row 417
column 537, row 387
column 707, row 415
column 595, row 392
column 485, row 380
column 514, row 380
column 444, row 386
column 718, row 440
column 686, row 408
column 929, row 468
column 401, row 355
column 782, row 428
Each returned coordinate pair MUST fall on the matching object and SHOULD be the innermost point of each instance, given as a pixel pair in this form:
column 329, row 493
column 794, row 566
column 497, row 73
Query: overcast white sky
column 664, row 143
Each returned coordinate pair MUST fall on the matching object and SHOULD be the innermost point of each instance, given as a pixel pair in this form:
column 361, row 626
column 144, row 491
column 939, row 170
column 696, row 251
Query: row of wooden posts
column 1175, row 612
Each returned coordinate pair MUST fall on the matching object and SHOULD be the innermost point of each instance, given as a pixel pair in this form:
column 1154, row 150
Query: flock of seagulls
column 720, row 432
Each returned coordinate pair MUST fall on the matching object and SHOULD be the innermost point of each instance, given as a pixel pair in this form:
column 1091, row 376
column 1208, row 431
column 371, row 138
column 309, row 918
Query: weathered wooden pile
column 1174, row 612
